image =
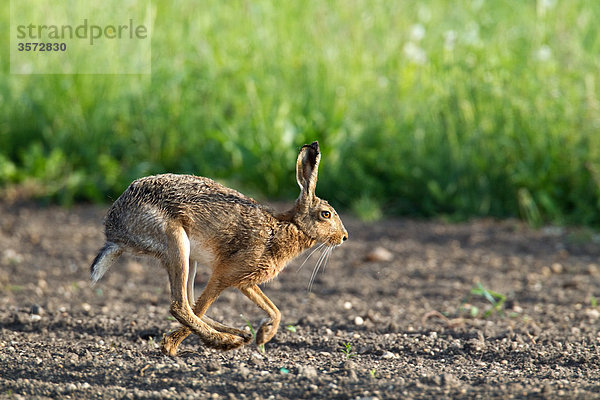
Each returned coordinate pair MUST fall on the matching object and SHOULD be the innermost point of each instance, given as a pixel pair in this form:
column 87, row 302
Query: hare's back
column 190, row 199
column 175, row 194
column 208, row 211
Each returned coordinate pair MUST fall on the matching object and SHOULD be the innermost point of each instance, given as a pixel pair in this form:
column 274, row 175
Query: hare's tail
column 105, row 258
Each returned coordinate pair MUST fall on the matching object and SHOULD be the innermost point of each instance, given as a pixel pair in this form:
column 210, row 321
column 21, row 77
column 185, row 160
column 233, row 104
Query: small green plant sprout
column 291, row 328
column 495, row 299
column 373, row 373
column 261, row 347
column 152, row 343
column 347, row 350
column 593, row 302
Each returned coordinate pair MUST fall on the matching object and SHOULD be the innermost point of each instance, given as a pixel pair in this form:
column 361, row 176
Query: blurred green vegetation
column 459, row 109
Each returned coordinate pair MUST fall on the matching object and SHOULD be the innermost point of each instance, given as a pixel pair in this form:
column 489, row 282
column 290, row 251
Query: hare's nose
column 345, row 237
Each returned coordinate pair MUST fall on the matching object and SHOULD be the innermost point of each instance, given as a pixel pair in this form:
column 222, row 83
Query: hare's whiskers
column 329, row 251
column 320, row 262
column 311, row 253
column 315, row 269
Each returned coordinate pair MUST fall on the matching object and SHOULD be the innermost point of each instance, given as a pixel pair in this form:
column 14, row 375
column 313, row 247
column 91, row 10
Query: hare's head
column 314, row 216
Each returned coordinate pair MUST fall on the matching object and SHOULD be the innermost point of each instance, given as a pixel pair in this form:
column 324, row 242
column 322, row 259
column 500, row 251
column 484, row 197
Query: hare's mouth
column 339, row 241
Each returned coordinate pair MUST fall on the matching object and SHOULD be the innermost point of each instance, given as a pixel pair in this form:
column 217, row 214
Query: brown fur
column 183, row 220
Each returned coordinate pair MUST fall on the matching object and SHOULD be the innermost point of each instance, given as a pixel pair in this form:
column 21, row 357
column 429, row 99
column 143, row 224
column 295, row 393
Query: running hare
column 183, row 220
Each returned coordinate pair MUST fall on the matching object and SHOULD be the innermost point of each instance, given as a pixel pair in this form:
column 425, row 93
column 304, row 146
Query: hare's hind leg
column 171, row 342
column 247, row 336
column 219, row 336
column 267, row 329
column 176, row 261
column 191, row 280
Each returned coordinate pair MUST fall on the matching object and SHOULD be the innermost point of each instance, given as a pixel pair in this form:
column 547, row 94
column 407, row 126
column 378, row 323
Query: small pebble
column 518, row 309
column 449, row 380
column 213, row 366
column 557, row 268
column 380, row 254
column 352, row 376
column 244, row 371
column 307, row 371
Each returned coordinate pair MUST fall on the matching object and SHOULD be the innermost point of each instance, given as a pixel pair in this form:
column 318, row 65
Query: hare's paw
column 168, row 346
column 171, row 342
column 265, row 332
column 247, row 336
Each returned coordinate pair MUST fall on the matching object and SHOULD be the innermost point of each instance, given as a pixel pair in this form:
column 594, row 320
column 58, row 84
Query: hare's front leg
column 267, row 329
column 213, row 324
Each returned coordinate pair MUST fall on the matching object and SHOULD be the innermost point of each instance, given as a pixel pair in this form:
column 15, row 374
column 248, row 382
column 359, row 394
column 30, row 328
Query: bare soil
column 375, row 325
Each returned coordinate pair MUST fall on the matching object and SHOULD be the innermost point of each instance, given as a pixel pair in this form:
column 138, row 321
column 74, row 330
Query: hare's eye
column 325, row 214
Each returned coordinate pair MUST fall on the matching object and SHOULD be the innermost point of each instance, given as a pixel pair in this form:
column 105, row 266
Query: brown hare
column 183, row 220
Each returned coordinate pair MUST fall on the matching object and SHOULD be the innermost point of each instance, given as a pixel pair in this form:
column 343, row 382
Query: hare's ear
column 307, row 167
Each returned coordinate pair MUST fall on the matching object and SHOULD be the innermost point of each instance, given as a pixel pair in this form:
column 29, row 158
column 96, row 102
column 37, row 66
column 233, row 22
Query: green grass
column 261, row 347
column 495, row 299
column 434, row 108
column 347, row 350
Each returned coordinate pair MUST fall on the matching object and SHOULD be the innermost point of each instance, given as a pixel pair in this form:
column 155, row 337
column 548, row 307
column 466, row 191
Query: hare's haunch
column 184, row 220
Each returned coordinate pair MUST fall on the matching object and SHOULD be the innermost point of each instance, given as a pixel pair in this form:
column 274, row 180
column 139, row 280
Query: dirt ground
column 409, row 323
